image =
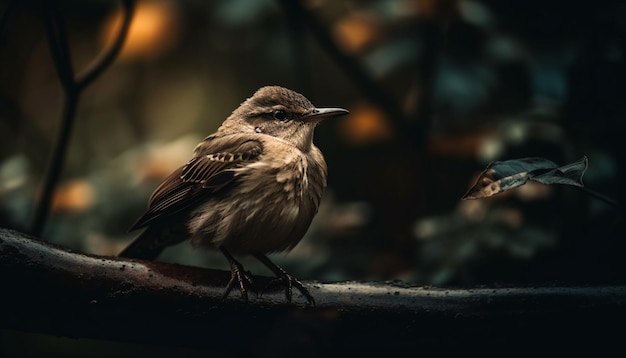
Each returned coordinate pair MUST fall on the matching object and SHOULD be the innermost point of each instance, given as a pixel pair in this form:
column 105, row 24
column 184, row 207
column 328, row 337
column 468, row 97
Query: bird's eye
column 280, row 115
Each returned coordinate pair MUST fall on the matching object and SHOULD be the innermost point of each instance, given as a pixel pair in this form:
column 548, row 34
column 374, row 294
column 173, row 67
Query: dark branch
column 57, row 41
column 106, row 58
column 73, row 87
column 602, row 197
column 51, row 290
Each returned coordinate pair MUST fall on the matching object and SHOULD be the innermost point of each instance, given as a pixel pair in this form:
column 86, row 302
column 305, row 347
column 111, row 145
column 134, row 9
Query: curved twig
column 106, row 58
column 73, row 87
column 57, row 40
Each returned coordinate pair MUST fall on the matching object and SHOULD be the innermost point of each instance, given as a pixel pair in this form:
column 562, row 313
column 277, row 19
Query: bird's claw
column 241, row 278
column 289, row 282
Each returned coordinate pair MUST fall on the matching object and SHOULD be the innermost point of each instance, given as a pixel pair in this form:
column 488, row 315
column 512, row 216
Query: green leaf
column 500, row 176
column 570, row 174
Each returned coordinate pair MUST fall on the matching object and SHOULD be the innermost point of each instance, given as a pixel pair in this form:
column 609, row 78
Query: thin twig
column 106, row 58
column 602, row 198
column 73, row 87
column 57, row 38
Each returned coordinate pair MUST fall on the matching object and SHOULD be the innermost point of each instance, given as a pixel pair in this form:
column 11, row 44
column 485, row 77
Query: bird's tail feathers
column 146, row 246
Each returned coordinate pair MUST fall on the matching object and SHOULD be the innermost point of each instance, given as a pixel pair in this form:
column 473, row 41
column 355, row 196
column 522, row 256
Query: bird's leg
column 237, row 275
column 284, row 278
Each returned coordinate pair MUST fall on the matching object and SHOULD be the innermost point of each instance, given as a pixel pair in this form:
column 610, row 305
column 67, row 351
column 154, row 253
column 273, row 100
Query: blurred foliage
column 470, row 82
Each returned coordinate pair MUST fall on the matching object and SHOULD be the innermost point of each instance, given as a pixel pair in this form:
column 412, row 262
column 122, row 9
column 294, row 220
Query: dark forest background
column 436, row 90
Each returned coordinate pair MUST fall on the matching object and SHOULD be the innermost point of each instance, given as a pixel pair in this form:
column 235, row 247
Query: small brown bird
column 253, row 187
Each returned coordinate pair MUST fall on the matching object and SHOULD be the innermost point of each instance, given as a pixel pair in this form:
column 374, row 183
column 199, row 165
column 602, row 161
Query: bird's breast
column 292, row 176
column 288, row 176
column 270, row 207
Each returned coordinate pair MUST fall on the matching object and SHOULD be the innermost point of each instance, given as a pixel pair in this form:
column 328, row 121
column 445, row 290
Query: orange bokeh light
column 366, row 124
column 154, row 30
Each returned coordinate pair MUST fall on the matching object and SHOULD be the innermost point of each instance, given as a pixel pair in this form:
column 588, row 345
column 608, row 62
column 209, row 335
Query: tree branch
column 57, row 41
column 106, row 58
column 49, row 289
column 73, row 85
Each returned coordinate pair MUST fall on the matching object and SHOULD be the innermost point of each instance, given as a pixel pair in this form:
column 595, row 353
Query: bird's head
column 281, row 113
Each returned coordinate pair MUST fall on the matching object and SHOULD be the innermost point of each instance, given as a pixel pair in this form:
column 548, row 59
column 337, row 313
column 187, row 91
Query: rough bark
column 49, row 289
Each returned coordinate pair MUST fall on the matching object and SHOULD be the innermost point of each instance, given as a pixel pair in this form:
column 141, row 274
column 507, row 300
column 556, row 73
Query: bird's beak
column 321, row 113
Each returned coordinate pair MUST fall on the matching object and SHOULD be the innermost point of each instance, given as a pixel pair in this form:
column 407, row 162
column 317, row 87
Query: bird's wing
column 210, row 170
